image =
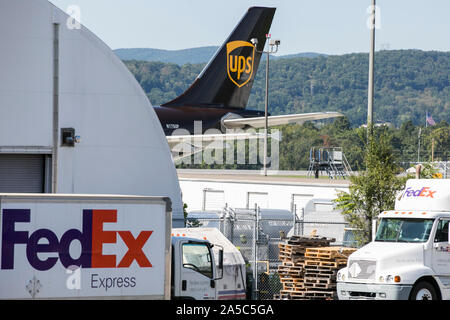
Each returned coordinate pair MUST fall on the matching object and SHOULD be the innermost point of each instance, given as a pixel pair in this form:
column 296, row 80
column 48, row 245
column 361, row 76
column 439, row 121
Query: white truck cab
column 206, row 265
column 410, row 255
column 194, row 272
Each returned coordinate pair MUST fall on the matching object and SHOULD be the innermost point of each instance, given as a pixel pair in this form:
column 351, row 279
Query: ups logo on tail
column 240, row 56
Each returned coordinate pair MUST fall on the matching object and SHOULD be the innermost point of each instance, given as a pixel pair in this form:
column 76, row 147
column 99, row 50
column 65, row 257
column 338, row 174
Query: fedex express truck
column 231, row 283
column 410, row 255
column 67, row 246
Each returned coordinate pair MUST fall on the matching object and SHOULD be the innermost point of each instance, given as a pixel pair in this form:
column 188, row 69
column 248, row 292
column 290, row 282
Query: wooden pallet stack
column 292, row 270
column 309, row 267
column 321, row 267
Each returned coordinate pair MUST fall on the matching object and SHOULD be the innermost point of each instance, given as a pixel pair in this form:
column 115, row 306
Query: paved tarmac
column 282, row 177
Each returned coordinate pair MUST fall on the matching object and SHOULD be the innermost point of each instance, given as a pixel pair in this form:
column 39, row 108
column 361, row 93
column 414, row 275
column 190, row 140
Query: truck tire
column 423, row 290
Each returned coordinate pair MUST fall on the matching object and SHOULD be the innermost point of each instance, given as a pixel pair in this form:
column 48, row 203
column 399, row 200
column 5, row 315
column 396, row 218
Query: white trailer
column 84, row 246
column 410, row 255
column 322, row 218
column 69, row 246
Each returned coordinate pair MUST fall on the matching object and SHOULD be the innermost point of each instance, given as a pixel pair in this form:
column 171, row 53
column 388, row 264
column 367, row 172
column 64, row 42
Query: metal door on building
column 259, row 199
column 299, row 202
column 213, row 199
column 22, row 173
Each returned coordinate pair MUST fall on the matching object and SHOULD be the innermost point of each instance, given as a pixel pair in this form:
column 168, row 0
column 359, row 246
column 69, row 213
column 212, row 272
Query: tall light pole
column 273, row 48
column 418, row 149
column 371, row 67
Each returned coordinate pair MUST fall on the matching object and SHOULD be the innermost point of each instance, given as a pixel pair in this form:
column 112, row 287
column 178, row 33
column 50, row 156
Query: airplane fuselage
column 197, row 120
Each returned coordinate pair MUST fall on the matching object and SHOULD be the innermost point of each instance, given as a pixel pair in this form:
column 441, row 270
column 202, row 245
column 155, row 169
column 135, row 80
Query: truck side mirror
column 220, row 265
column 374, row 228
column 221, row 259
column 448, row 232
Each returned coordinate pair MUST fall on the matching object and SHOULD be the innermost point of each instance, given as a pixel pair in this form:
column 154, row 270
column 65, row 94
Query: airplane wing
column 183, row 146
column 259, row 122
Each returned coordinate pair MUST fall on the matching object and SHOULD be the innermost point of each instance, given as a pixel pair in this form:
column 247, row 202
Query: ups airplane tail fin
column 227, row 79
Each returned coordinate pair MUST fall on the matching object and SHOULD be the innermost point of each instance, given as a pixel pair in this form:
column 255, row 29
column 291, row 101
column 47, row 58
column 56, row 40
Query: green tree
column 373, row 190
column 439, row 140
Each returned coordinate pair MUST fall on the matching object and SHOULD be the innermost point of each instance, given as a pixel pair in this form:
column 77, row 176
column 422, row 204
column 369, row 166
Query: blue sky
column 325, row 26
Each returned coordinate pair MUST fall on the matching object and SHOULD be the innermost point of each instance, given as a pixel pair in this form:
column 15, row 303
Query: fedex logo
column 91, row 237
column 424, row 192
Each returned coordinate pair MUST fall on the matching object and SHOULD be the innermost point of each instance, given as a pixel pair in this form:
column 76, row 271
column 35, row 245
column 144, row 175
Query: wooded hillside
column 407, row 83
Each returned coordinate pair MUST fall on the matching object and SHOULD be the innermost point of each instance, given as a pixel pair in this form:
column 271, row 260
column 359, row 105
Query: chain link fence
column 443, row 167
column 257, row 232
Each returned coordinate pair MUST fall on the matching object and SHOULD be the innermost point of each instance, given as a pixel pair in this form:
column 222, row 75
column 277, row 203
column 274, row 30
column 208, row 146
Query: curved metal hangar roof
column 55, row 77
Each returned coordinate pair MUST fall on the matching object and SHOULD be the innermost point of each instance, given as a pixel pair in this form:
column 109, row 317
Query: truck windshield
column 196, row 256
column 404, row 230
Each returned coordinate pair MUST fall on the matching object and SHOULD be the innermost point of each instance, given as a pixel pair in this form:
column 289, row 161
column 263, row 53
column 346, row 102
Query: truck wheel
column 423, row 291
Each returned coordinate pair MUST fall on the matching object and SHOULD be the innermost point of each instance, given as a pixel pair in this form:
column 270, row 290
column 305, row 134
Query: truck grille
column 361, row 269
